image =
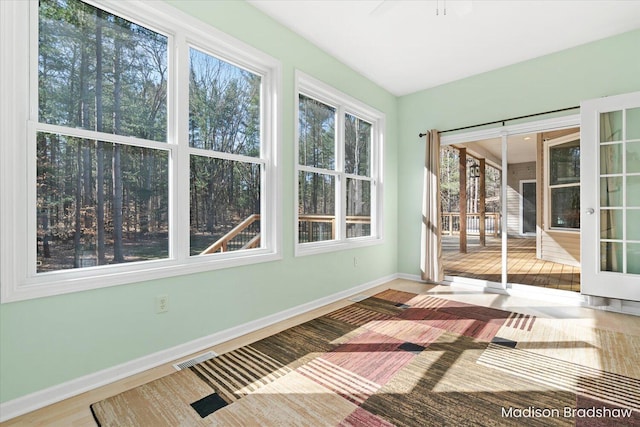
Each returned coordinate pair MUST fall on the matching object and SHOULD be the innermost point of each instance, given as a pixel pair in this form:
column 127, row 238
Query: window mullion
column 321, row 171
column 341, row 182
column 99, row 136
column 180, row 165
column 225, row 156
column 360, row 177
column 374, row 173
column 573, row 184
column 270, row 202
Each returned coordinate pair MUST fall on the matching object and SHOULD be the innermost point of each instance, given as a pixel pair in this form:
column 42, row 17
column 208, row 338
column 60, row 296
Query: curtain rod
column 504, row 120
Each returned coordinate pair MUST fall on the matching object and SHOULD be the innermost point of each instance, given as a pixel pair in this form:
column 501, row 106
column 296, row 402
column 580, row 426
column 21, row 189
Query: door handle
column 589, row 211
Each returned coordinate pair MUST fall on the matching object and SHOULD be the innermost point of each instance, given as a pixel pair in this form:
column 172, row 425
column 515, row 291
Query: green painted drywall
column 606, row 67
column 48, row 341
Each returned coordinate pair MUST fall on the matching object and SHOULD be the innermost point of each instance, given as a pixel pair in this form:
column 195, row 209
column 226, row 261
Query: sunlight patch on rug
column 347, row 384
column 396, row 358
column 558, row 374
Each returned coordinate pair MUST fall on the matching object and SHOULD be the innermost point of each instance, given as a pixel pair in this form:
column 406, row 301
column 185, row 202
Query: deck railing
column 311, row 228
column 314, row 228
column 451, row 223
column 245, row 235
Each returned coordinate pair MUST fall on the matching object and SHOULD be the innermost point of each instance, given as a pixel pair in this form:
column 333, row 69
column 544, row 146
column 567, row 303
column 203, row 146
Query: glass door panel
column 529, row 210
column 619, row 190
column 611, row 144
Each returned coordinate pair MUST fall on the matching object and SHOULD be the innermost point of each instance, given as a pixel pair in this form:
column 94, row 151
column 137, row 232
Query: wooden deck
column 523, row 266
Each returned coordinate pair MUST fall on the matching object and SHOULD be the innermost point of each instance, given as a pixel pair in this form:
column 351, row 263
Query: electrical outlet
column 162, row 303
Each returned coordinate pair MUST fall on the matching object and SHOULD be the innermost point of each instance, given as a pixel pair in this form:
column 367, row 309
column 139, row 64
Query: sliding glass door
column 535, row 171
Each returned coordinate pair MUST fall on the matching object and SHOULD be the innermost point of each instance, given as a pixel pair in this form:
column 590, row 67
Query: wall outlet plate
column 162, row 303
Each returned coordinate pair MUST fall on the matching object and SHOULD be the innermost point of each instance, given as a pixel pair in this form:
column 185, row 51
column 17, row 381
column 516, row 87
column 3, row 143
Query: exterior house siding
column 517, row 172
column 558, row 246
column 561, row 246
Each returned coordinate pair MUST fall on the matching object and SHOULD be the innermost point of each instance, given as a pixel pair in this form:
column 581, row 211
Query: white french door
column 610, row 196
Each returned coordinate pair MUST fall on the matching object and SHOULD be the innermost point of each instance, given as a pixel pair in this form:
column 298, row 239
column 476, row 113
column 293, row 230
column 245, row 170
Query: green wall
column 606, row 67
column 48, row 341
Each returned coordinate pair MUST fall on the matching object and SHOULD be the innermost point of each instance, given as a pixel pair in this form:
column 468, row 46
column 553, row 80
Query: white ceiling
column 404, row 46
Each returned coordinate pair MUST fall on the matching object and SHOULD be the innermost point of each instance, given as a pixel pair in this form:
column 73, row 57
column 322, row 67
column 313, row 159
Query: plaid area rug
column 401, row 359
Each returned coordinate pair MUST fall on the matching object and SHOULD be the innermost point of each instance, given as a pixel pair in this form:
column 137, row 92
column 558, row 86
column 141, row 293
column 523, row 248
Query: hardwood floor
column 485, row 263
column 75, row 411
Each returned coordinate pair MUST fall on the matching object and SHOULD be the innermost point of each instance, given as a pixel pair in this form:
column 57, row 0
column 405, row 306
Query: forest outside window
column 149, row 162
column 225, row 156
column 100, row 203
column 339, row 156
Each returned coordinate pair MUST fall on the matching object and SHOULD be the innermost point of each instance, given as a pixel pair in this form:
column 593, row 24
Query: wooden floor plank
column 485, row 263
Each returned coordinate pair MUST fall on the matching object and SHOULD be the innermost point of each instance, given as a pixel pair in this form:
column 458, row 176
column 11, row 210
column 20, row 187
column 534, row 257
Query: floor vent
column 198, row 359
column 358, row 298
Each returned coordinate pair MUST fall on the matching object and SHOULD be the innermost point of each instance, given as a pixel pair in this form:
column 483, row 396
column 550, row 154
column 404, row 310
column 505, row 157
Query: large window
column 339, row 153
column 150, row 148
column 225, row 156
column 563, row 175
column 100, row 202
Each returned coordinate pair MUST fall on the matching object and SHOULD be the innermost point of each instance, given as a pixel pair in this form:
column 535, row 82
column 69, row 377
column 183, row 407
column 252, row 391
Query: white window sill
column 64, row 282
column 304, row 249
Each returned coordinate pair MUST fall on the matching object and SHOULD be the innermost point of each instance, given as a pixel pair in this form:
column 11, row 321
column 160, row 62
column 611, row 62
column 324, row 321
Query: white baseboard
column 531, row 292
column 413, row 277
column 57, row 393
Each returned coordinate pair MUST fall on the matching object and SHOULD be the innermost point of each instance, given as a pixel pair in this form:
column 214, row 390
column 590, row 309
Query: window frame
column 548, row 145
column 19, row 123
column 344, row 104
column 521, row 184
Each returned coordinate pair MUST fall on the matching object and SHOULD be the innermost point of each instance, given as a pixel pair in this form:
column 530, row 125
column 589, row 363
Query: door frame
column 537, row 126
column 521, row 214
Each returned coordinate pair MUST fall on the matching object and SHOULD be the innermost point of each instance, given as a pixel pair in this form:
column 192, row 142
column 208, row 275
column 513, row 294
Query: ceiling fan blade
column 382, row 7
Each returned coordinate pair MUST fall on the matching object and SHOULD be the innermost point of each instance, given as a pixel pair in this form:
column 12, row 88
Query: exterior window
column 564, row 184
column 357, row 167
column 153, row 155
column 100, row 202
column 226, row 167
column 339, row 153
column 317, row 180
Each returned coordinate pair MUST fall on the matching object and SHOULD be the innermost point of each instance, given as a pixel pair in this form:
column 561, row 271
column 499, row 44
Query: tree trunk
column 118, row 253
column 145, row 190
column 81, row 158
column 77, row 245
column 195, row 211
column 210, row 199
column 85, row 122
column 100, row 244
